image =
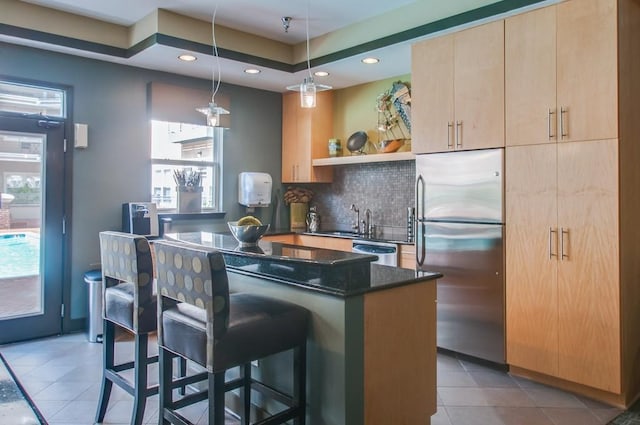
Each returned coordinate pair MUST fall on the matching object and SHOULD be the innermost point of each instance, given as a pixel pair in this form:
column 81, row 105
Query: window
column 179, row 146
column 25, row 99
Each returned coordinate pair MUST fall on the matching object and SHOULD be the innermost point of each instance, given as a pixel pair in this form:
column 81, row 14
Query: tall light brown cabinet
column 573, row 196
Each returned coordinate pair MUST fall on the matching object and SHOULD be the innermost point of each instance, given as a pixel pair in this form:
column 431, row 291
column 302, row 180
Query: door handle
column 563, row 232
column 458, row 134
column 563, row 114
column 449, row 135
column 551, row 119
column 551, row 233
column 421, row 241
column 420, row 218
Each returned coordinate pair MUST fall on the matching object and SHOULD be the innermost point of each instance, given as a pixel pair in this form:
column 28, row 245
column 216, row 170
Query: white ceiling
column 264, row 18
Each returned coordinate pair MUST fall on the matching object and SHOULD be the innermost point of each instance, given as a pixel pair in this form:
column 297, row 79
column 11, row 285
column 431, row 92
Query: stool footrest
column 272, row 393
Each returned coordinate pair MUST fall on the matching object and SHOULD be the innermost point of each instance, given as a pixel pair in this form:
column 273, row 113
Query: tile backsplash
column 386, row 188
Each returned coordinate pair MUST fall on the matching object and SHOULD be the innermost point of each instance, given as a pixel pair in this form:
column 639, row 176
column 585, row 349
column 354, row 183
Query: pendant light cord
column 215, row 85
column 308, row 54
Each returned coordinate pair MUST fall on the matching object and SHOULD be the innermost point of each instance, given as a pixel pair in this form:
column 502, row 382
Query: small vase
column 189, row 199
column 298, row 215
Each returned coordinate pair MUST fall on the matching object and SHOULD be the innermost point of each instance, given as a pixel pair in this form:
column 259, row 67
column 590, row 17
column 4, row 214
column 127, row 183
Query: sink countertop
column 397, row 239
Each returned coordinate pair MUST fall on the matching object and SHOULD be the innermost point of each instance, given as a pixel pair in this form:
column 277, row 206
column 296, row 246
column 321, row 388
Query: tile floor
column 62, row 376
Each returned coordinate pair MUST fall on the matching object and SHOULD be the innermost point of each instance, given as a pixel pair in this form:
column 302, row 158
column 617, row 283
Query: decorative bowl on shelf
column 247, row 235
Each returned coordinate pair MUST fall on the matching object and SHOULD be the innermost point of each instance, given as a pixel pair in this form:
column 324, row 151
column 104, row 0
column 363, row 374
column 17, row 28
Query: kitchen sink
column 344, row 233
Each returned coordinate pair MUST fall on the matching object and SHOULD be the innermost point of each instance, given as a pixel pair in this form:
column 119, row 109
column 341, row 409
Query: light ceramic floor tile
column 62, row 374
column 569, row 416
column 455, row 379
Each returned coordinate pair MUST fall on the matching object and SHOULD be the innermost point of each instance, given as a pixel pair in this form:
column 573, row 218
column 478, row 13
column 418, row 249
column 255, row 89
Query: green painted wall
column 354, row 108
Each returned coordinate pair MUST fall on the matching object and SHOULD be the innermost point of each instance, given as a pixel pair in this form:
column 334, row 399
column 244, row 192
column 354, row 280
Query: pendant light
column 213, row 111
column 308, row 88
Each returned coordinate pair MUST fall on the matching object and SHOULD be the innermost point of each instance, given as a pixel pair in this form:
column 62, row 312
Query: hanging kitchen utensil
column 357, row 141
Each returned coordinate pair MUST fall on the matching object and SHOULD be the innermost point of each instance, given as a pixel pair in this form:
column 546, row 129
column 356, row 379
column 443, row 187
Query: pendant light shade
column 308, row 88
column 213, row 111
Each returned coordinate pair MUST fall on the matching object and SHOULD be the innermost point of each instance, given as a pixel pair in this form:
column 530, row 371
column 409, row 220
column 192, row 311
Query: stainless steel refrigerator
column 459, row 233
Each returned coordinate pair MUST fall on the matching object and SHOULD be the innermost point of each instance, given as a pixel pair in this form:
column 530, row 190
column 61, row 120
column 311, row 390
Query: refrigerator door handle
column 420, row 219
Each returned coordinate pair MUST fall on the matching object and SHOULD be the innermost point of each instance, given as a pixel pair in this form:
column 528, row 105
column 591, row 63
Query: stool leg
column 216, row 398
column 108, row 348
column 165, row 395
column 140, row 371
column 300, row 382
column 245, row 394
column 182, row 372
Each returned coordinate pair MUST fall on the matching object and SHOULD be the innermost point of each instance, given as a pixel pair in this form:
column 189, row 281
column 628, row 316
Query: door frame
column 67, row 324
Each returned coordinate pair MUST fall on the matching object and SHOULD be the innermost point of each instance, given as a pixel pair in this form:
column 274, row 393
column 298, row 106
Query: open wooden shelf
column 364, row 159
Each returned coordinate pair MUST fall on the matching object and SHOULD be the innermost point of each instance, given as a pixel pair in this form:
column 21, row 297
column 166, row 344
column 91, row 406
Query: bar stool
column 130, row 303
column 199, row 320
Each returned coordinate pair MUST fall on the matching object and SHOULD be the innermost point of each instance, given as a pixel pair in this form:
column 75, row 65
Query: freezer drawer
column 471, row 291
column 461, row 186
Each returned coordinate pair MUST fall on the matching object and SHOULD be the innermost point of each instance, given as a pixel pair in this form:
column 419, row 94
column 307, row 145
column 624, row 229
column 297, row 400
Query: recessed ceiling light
column 321, row 73
column 370, row 61
column 252, row 71
column 187, row 58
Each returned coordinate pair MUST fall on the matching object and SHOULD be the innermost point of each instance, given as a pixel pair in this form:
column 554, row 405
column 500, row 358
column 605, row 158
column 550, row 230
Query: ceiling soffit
column 28, row 21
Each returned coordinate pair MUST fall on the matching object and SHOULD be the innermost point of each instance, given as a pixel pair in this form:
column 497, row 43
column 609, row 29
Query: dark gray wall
column 112, row 100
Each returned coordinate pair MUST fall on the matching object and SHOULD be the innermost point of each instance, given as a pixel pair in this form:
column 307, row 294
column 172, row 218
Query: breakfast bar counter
column 371, row 353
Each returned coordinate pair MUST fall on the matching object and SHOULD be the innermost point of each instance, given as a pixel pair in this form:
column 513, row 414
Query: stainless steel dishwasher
column 387, row 252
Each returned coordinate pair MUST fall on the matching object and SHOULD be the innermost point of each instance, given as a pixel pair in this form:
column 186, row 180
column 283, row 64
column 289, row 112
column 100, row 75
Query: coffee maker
column 140, row 218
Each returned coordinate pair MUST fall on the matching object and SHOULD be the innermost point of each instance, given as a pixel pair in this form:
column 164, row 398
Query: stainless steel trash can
column 94, row 279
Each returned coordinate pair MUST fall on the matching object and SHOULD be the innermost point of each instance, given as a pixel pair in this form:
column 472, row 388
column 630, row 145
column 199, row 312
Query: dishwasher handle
column 374, row 249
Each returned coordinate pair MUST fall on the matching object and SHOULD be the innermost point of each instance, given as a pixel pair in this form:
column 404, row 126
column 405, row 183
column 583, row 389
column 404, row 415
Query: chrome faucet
column 356, row 225
column 366, row 223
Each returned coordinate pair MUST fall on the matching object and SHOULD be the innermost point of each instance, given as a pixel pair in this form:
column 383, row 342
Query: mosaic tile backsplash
column 386, row 188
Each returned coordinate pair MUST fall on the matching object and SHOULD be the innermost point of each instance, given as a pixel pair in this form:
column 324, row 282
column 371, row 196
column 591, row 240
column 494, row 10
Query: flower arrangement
column 295, row 195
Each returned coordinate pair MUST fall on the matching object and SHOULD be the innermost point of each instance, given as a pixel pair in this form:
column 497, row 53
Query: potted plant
column 189, row 189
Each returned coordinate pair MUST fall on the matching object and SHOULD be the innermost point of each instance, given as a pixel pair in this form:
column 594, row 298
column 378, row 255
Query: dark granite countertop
column 337, row 273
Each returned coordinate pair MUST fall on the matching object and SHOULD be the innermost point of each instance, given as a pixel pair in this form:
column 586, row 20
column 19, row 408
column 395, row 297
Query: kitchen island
column 371, row 353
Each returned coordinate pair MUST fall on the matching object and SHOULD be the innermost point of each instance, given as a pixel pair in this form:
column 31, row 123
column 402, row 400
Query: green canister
column 335, row 147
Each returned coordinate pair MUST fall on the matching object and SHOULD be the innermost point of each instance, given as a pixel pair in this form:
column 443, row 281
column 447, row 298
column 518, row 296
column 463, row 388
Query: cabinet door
column 326, row 242
column 432, row 94
column 531, row 258
column 320, row 131
column 588, row 272
column 290, row 105
column 587, row 69
column 479, row 86
column 305, row 136
column 530, row 78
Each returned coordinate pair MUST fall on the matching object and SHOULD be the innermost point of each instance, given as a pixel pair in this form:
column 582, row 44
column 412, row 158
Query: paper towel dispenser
column 254, row 189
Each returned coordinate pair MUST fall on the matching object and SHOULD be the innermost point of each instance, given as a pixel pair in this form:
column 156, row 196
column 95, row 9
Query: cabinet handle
column 551, row 233
column 293, row 172
column 449, row 135
column 563, row 114
column 563, row 232
column 551, row 119
column 458, row 134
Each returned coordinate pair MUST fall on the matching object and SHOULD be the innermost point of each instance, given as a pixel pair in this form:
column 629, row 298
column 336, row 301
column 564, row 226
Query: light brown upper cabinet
column 458, row 90
column 305, row 134
column 560, row 73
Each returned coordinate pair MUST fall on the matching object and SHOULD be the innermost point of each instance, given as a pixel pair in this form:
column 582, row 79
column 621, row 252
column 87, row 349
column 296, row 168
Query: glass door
column 31, row 227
